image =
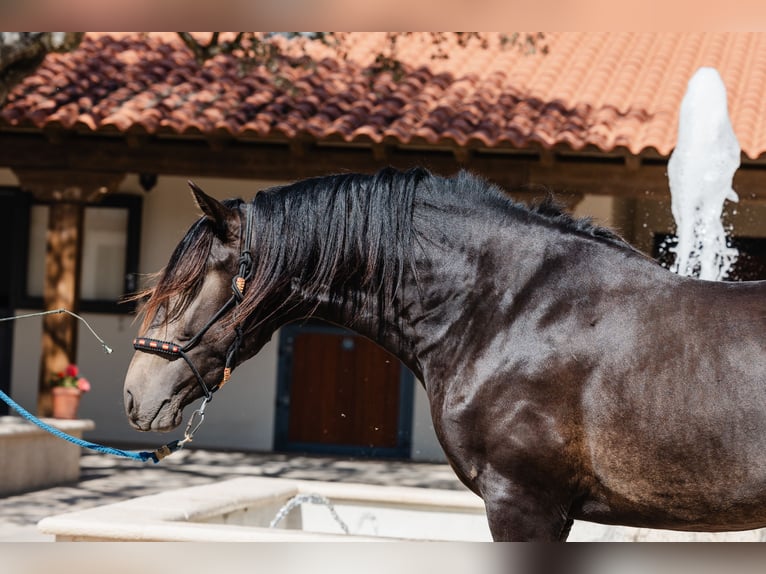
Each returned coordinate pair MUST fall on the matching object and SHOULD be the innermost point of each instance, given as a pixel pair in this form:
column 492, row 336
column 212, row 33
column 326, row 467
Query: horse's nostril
column 128, row 402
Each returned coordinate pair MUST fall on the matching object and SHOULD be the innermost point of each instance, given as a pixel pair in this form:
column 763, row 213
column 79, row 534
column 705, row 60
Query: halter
column 172, row 351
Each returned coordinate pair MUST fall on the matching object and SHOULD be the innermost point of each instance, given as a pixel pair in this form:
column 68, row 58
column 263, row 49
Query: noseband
column 172, row 351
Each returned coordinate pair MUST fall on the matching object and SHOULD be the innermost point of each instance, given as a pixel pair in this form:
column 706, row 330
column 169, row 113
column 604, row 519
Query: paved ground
column 106, row 479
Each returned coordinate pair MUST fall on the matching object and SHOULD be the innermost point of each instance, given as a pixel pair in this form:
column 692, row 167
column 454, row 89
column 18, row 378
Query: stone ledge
column 240, row 509
column 34, row 459
column 17, row 426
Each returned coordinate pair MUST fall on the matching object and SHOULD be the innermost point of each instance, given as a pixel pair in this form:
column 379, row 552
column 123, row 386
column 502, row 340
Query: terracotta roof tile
column 608, row 91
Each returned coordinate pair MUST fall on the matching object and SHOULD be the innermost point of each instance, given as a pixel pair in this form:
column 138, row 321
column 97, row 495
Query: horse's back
column 686, row 410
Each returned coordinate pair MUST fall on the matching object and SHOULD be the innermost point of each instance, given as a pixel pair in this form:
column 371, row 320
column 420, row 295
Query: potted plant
column 66, row 388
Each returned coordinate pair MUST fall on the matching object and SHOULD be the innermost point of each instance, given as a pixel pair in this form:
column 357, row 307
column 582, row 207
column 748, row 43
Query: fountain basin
column 241, row 510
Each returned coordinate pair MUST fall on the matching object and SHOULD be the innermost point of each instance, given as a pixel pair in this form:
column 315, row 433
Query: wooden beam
column 547, row 157
column 608, row 178
column 463, row 155
column 192, row 157
column 65, row 185
column 277, row 161
column 381, row 152
column 633, row 162
column 63, row 261
column 299, row 148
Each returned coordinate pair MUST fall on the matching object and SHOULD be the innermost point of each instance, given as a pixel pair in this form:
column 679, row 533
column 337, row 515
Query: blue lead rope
column 156, row 455
column 143, row 456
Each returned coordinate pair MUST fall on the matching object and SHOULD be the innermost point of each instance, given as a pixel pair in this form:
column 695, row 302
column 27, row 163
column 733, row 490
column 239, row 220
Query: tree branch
column 22, row 52
column 199, row 51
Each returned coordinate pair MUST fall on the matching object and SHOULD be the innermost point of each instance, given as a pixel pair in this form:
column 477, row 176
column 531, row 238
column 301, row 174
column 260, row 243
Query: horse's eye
column 184, row 336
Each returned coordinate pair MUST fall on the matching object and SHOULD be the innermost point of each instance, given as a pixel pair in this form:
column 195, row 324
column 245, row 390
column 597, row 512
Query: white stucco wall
column 242, row 415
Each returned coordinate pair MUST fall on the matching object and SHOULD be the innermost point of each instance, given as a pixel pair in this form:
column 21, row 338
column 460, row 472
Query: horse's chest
column 480, row 430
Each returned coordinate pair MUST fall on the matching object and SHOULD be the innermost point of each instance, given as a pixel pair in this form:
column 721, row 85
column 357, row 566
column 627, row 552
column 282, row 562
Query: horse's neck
column 446, row 267
column 471, row 267
column 387, row 328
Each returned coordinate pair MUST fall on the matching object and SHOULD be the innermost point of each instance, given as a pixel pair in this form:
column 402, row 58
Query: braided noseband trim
column 156, row 346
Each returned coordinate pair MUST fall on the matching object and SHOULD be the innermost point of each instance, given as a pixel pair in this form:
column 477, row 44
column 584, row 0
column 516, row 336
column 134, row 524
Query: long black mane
column 345, row 237
column 341, row 237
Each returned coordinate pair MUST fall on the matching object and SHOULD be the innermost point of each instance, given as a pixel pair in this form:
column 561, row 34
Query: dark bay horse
column 569, row 376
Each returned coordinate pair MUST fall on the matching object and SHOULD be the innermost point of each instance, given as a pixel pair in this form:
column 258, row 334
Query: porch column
column 68, row 194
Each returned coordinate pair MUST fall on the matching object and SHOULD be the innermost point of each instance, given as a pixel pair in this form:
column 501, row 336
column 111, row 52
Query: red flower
column 69, row 378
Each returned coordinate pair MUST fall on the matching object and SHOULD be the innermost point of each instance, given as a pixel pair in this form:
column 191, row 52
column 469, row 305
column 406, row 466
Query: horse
column 569, row 375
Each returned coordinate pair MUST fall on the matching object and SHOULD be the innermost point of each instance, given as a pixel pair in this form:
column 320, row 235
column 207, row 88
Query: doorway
column 13, row 217
column 340, row 393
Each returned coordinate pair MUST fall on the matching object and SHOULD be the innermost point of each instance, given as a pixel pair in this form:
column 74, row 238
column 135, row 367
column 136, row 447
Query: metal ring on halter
column 196, row 420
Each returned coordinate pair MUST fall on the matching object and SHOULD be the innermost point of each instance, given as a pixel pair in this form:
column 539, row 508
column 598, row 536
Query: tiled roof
column 610, row 91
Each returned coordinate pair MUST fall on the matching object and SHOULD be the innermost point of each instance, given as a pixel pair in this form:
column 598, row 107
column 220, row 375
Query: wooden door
column 340, row 393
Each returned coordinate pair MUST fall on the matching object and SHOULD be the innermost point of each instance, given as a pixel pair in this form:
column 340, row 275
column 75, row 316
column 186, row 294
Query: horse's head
column 187, row 336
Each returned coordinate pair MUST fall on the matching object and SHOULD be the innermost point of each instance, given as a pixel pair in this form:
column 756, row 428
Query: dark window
column 750, row 264
column 13, row 208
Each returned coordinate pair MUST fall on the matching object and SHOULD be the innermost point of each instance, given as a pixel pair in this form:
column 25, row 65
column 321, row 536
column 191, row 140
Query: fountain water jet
column 313, row 498
column 700, row 173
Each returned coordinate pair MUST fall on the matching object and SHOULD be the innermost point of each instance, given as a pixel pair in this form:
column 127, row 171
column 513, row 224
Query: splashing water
column 299, row 499
column 700, row 173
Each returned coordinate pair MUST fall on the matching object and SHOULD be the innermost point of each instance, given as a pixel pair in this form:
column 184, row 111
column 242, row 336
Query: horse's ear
column 213, row 209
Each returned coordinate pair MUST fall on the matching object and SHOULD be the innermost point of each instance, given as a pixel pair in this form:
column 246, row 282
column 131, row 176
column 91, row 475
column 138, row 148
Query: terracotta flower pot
column 65, row 402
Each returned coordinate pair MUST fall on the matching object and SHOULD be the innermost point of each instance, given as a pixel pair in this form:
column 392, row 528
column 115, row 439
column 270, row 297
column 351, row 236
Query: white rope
column 107, row 348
